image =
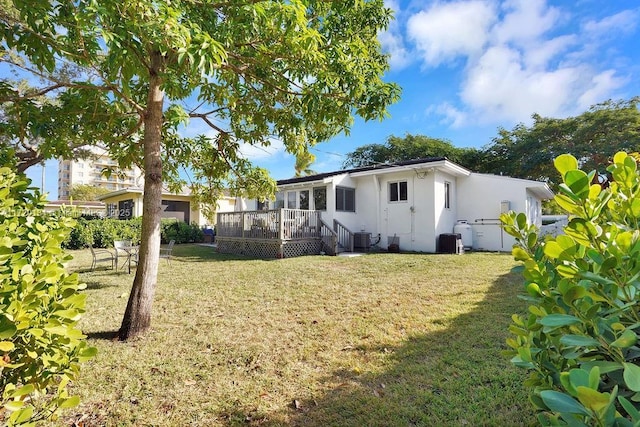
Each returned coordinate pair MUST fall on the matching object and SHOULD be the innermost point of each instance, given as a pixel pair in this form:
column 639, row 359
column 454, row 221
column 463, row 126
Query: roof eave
column 542, row 191
column 441, row 165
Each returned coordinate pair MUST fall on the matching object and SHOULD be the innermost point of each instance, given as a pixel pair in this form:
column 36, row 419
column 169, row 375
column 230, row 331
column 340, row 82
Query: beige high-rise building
column 89, row 172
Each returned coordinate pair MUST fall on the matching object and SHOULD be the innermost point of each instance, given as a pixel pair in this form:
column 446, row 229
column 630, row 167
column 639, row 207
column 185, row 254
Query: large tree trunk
column 137, row 317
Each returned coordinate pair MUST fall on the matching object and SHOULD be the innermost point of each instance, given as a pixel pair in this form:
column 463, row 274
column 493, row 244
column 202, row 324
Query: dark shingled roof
column 324, row 175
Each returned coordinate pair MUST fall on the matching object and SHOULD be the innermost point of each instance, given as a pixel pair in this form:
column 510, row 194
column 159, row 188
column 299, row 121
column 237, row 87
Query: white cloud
column 601, row 87
column 262, row 153
column 540, row 54
column 520, row 57
column 446, row 31
column 499, row 87
column 392, row 41
column 622, row 22
column 524, row 21
column 393, row 44
column 451, row 115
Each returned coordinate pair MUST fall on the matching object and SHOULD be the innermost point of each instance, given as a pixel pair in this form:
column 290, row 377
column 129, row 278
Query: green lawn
column 376, row 340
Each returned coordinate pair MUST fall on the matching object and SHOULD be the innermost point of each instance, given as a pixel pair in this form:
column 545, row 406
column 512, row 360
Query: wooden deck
column 277, row 233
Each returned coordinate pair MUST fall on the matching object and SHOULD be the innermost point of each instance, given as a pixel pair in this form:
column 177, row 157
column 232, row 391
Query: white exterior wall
column 412, row 221
column 348, row 219
column 396, row 218
column 482, row 198
column 423, row 217
column 445, row 218
column 226, row 204
column 367, row 212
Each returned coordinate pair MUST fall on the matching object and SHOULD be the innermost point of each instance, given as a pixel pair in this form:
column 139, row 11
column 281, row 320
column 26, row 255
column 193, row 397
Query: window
column 291, row 199
column 112, row 210
column 447, row 195
column 398, row 191
column 262, row 205
column 304, row 200
column 345, row 199
column 177, row 209
column 125, row 209
column 320, row 198
column 279, row 204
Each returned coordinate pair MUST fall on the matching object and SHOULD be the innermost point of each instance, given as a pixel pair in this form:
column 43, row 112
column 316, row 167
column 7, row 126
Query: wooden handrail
column 329, row 238
column 282, row 224
column 345, row 236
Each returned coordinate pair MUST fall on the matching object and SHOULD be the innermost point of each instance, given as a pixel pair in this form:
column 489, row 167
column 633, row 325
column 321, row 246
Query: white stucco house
column 411, row 203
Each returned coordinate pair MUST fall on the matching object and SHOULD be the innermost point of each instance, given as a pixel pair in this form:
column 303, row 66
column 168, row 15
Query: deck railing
column 345, row 236
column 283, row 224
column 329, row 239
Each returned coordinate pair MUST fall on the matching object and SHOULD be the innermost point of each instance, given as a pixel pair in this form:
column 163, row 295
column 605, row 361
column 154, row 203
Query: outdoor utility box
column 209, row 235
column 450, row 243
column 361, row 241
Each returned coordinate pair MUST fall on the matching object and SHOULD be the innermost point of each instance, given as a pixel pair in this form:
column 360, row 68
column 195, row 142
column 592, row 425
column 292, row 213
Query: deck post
column 281, row 225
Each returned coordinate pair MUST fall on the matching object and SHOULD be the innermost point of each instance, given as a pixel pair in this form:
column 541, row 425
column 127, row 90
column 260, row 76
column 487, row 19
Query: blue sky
column 469, row 67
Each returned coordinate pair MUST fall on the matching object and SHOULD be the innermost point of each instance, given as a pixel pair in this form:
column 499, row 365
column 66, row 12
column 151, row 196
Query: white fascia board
column 119, row 193
column 140, row 191
column 300, row 184
column 442, row 165
column 542, row 191
column 314, row 183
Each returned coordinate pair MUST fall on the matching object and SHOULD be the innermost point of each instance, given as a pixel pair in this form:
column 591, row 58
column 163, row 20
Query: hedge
column 102, row 232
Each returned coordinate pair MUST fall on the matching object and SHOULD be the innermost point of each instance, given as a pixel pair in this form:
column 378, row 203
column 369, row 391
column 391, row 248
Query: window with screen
column 320, row 198
column 345, row 199
column 447, row 195
column 398, row 191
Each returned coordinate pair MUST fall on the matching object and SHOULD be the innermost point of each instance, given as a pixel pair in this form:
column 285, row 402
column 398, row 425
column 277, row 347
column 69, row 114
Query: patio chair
column 134, row 258
column 101, row 255
column 166, row 252
column 122, row 250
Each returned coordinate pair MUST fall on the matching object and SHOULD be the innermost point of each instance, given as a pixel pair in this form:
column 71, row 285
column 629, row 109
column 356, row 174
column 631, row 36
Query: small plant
column 580, row 338
column 40, row 346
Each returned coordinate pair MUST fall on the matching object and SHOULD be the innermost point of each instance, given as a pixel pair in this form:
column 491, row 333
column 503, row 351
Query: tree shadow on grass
column 200, row 253
column 93, row 285
column 427, row 382
column 103, row 335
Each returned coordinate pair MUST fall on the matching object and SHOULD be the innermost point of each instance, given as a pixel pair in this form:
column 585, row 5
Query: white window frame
column 397, row 192
column 447, row 195
column 289, row 199
column 313, row 192
column 343, row 199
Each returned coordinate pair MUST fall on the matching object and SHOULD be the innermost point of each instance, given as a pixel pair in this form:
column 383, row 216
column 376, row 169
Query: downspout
column 376, row 181
column 412, row 208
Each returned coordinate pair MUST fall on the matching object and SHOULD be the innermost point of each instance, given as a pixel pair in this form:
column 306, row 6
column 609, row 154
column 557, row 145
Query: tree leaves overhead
column 249, row 71
column 410, row 147
column 245, row 71
column 592, row 137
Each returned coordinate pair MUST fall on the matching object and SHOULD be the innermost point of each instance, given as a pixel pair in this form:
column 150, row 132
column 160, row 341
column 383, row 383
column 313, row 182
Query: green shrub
column 102, row 232
column 181, row 232
column 40, row 346
column 580, row 337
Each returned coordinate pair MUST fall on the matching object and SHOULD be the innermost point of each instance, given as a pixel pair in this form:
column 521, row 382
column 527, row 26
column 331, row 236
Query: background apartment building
column 89, row 172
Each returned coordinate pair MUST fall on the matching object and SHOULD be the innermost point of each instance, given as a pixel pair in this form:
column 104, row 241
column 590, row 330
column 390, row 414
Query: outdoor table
column 131, row 252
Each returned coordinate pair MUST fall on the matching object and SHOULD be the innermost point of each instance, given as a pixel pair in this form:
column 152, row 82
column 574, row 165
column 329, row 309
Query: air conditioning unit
column 362, row 241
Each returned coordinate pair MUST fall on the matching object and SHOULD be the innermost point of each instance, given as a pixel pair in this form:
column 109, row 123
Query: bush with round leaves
column 41, row 347
column 580, row 337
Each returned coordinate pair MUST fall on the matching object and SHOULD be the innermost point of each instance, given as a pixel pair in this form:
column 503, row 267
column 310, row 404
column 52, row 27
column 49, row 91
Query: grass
column 377, row 340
